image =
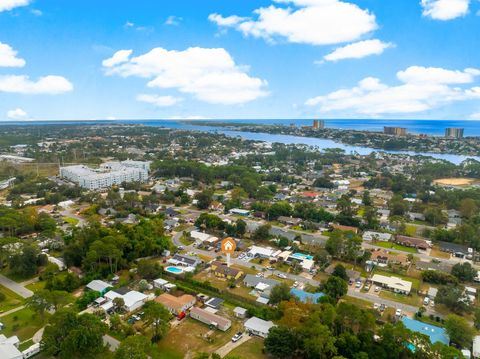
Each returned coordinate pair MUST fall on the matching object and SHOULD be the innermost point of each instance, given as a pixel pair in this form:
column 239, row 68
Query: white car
column 281, row 275
column 237, row 337
column 377, row 289
column 376, row 306
column 426, row 301
column 398, row 312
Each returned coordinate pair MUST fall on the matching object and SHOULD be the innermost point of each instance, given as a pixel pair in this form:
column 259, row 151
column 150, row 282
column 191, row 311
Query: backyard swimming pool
column 302, row 256
column 174, row 270
column 436, row 334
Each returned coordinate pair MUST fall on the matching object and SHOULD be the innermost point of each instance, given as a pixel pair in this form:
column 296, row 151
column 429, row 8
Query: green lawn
column 36, row 286
column 412, row 299
column 250, row 350
column 23, row 323
column 398, row 247
column 71, row 221
column 12, row 300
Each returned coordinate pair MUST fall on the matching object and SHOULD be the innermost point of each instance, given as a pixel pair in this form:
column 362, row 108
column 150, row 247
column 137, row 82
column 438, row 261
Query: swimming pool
column 174, row 270
column 302, row 256
column 436, row 334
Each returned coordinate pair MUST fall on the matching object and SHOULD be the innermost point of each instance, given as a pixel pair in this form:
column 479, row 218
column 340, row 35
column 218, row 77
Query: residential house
column 394, row 284
column 258, row 326
column 383, row 257
column 184, row 260
column 132, row 299
column 291, row 221
column 240, row 312
column 9, row 348
column 176, row 305
column 412, row 242
column 458, row 250
column 98, row 286
column 221, row 270
column 344, row 228
column 214, row 303
column 440, row 266
column 376, row 236
column 210, row 319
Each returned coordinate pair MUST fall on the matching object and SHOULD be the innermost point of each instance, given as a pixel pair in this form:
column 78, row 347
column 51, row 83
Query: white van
column 426, row 301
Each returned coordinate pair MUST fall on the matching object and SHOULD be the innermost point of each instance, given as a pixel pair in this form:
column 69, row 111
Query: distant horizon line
column 235, row 119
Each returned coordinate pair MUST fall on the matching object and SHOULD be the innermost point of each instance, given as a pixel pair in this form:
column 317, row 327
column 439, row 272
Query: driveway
column 113, row 343
column 15, row 287
column 227, row 348
column 376, row 299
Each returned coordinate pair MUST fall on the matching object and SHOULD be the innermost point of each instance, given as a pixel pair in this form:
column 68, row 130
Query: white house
column 260, row 252
column 395, row 284
column 132, row 299
column 378, row 236
column 9, row 348
column 258, row 326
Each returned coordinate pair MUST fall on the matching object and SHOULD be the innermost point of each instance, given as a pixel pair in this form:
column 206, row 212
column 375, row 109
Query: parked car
column 367, row 287
column 383, row 307
column 426, row 301
column 376, row 306
column 281, row 275
column 377, row 289
column 237, row 337
column 358, row 284
column 398, row 312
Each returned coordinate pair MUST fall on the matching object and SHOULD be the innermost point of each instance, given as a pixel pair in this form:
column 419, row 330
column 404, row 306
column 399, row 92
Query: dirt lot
column 456, row 181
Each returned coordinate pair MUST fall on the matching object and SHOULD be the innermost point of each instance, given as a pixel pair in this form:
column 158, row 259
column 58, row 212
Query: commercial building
column 318, row 124
column 209, row 318
column 395, row 284
column 454, row 132
column 397, row 131
column 109, row 174
column 258, row 326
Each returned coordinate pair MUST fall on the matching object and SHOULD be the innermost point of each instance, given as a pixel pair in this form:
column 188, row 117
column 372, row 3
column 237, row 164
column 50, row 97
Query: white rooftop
column 258, row 325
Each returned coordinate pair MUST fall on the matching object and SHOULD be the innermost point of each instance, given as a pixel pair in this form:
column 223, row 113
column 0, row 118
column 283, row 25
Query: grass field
column 12, row 300
column 250, row 350
column 398, row 247
column 23, row 323
column 435, row 252
column 36, row 286
column 412, row 299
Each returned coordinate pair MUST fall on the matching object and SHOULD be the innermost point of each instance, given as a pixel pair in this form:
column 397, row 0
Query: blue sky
column 82, row 60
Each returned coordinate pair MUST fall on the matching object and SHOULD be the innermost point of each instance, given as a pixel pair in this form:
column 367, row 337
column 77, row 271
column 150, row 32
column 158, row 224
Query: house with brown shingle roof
column 221, row 270
column 176, row 305
column 412, row 242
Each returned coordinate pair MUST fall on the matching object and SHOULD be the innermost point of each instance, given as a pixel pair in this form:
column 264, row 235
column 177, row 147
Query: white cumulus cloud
column 358, row 50
column 315, row 22
column 6, row 5
column 445, row 9
column 159, row 101
column 209, row 74
column 117, row 58
column 50, row 85
column 421, row 89
column 17, row 114
column 8, row 57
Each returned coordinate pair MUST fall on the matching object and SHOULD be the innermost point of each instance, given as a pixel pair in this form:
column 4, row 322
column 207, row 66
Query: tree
column 281, row 208
column 281, row 342
column 464, row 272
column 280, row 293
column 335, row 287
column 459, row 331
column 262, row 233
column 366, row 199
column 133, row 347
column 340, row 272
column 157, row 317
column 24, row 264
column 68, row 335
column 118, row 304
column 453, row 297
column 468, row 207
column 44, row 300
column 148, row 270
column 240, row 227
column 476, row 318
column 323, row 182
column 370, row 217
column 204, row 199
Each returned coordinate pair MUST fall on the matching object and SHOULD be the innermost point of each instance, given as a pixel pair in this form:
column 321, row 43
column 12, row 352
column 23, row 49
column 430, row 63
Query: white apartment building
column 110, row 173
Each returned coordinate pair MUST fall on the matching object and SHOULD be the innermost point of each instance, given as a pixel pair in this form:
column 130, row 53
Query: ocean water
column 430, row 127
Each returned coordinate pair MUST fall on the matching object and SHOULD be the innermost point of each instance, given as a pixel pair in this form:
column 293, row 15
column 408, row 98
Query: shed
column 240, row 312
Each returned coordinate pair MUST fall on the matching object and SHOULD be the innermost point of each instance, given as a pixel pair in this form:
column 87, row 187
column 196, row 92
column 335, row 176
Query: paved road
column 72, row 213
column 228, row 347
column 112, row 342
column 375, row 299
column 15, row 287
